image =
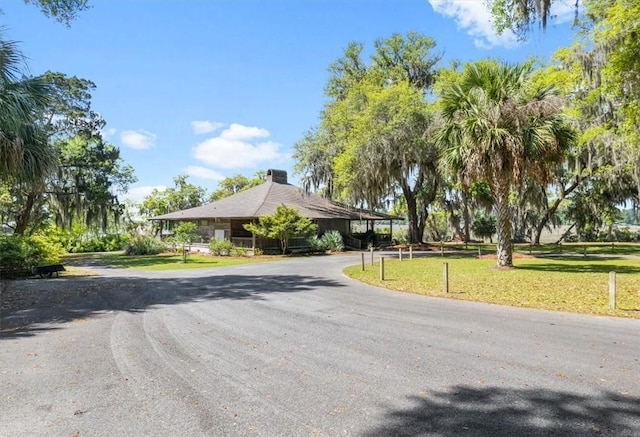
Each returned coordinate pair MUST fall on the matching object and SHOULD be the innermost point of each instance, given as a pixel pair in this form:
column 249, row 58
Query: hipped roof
column 263, row 200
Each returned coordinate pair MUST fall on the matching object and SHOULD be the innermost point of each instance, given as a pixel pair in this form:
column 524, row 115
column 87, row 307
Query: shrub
column 220, row 247
column 239, row 251
column 144, row 245
column 400, row 236
column 316, row 244
column 18, row 254
column 257, row 251
column 332, row 240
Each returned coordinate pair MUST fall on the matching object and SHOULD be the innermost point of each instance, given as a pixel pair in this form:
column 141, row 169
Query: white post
column 445, row 277
column 371, row 250
column 612, row 290
column 400, row 253
column 410, row 252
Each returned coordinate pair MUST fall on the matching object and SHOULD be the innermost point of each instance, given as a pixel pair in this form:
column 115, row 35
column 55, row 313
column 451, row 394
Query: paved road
column 294, row 348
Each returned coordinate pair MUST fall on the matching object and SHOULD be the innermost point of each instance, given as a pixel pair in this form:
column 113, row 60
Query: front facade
column 225, row 218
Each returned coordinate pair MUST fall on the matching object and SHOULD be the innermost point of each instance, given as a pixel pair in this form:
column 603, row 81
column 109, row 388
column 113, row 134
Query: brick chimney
column 278, row 176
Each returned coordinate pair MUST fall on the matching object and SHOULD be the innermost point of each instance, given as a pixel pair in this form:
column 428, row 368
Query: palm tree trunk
column 23, row 219
column 504, row 244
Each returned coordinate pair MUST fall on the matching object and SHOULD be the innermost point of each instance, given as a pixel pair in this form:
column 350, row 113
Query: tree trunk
column 414, row 235
column 565, row 191
column 504, row 245
column 545, row 219
column 23, row 220
column 465, row 214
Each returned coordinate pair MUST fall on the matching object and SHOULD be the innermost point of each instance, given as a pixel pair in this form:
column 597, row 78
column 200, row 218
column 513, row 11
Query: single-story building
column 224, row 218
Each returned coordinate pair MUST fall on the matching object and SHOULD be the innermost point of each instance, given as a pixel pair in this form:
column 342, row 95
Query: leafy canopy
column 285, row 223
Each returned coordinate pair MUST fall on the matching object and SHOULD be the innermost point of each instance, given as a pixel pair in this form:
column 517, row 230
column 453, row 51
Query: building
column 224, row 218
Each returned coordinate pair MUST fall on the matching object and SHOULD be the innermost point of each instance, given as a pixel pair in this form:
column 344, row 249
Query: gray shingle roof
column 263, row 200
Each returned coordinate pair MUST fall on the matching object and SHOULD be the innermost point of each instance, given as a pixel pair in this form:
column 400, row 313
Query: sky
column 214, row 88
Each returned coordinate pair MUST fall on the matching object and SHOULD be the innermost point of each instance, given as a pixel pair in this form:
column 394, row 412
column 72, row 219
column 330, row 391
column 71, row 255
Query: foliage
column 182, row 195
column 373, row 146
column 285, row 223
column 25, row 156
column 332, row 241
column 185, row 232
column 220, row 247
column 19, row 253
column 316, row 244
column 500, row 127
column 484, row 226
column 144, row 245
column 400, row 236
column 573, row 284
column 100, row 243
column 63, row 11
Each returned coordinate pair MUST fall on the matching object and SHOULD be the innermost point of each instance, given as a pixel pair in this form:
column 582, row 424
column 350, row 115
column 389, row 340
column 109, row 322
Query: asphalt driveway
column 294, row 348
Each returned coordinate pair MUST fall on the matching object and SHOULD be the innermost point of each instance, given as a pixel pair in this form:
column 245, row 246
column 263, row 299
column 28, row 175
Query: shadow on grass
column 28, row 307
column 494, row 411
column 121, row 261
column 578, row 265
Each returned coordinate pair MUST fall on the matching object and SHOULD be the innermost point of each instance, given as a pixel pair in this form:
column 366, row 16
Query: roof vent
column 278, row 176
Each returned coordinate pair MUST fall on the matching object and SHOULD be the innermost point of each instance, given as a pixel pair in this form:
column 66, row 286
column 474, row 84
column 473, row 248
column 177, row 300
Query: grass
column 576, row 248
column 573, row 284
column 164, row 261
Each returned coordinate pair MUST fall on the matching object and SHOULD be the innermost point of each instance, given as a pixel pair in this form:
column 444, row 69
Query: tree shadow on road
column 501, row 412
column 31, row 306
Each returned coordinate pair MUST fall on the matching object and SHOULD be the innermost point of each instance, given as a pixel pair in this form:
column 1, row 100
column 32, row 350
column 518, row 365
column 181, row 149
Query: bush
column 400, row 236
column 144, row 245
column 100, row 243
column 19, row 253
column 332, row 240
column 239, row 251
column 316, row 244
column 220, row 247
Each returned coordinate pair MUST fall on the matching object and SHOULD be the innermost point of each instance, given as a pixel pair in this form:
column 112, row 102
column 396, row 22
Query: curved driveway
column 294, row 348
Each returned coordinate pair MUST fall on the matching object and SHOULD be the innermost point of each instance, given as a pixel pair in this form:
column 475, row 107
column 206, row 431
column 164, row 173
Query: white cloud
column 473, row 17
column 205, row 126
column 140, row 139
column 563, row 11
column 137, row 194
column 108, row 133
column 239, row 132
column 203, row 173
column 236, row 147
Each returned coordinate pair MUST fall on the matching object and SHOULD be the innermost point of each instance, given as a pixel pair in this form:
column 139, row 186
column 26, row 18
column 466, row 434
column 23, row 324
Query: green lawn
column 165, row 261
column 577, row 248
column 574, row 284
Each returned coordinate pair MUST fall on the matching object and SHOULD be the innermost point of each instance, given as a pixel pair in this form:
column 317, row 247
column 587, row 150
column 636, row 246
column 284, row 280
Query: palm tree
column 25, row 155
column 499, row 127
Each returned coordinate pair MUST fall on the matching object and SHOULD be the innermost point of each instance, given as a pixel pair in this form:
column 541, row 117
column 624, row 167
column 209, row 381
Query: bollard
column 362, row 261
column 445, row 277
column 612, row 290
column 410, row 252
column 479, row 251
column 441, row 249
column 382, row 268
column 371, row 249
column 400, row 253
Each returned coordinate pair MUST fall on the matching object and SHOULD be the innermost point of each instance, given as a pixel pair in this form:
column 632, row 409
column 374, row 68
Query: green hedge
column 19, row 253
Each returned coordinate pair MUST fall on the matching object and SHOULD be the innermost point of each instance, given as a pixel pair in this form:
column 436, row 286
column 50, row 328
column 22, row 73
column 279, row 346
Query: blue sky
column 216, row 88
